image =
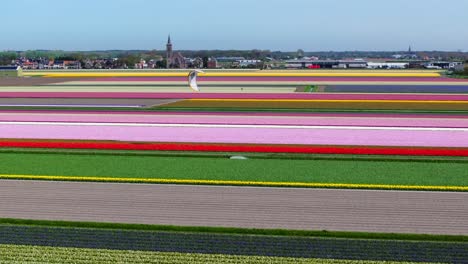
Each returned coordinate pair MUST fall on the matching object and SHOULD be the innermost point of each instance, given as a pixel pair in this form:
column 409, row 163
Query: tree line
column 131, row 57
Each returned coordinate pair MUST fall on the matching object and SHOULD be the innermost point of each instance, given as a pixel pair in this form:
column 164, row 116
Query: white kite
column 192, row 80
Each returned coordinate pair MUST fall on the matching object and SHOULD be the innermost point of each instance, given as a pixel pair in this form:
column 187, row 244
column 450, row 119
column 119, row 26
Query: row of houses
column 31, row 64
column 210, row 63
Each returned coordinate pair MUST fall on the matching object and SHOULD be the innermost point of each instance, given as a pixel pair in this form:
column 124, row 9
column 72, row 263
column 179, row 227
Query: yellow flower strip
column 233, row 74
column 237, row 183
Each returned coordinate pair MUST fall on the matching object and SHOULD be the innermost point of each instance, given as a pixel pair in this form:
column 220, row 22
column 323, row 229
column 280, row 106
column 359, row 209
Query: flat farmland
column 376, row 171
column 254, row 151
column 66, row 255
column 413, row 212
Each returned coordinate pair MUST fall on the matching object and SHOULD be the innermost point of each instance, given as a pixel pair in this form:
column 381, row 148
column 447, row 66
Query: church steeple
column 169, row 52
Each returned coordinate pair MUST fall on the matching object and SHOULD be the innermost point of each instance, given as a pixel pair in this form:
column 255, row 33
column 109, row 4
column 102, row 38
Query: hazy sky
column 312, row 25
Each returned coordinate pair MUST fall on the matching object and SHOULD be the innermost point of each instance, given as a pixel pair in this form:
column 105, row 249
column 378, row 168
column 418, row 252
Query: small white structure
column 246, row 63
column 387, row 65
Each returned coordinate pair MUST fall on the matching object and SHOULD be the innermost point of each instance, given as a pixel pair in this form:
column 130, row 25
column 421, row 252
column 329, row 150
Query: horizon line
column 102, row 50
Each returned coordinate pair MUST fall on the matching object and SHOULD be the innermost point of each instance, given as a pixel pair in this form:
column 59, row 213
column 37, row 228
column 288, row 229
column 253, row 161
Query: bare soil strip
column 247, row 207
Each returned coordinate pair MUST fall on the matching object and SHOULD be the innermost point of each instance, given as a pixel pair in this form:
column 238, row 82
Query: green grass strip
column 457, row 76
column 238, row 231
column 244, row 110
column 325, row 170
column 224, row 155
column 310, row 89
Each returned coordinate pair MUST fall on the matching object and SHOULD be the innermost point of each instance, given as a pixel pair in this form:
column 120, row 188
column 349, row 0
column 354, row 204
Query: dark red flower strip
column 359, row 150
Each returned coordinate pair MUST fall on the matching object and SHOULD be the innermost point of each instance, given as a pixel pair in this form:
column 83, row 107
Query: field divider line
column 237, row 183
column 40, row 123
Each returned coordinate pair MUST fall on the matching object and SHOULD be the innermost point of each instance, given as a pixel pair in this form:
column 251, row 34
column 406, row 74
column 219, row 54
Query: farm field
column 379, row 171
column 304, row 209
column 39, row 254
column 300, row 132
column 257, row 73
column 379, row 151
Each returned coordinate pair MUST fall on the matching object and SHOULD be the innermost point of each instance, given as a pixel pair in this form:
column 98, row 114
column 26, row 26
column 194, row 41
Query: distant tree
column 118, row 64
column 255, row 54
column 300, row 53
column 261, row 65
column 7, row 57
column 161, row 64
column 205, row 62
column 130, row 60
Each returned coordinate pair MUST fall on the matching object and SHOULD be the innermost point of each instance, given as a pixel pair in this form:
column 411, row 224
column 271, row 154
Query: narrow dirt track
column 249, row 207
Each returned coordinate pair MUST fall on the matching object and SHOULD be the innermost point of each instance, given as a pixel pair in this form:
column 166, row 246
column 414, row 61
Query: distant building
column 249, row 63
column 229, row 59
column 442, row 65
column 212, row 63
column 325, row 64
column 30, row 65
column 194, row 63
column 388, row 65
column 141, row 65
column 459, row 67
column 408, row 55
column 64, row 64
column 174, row 60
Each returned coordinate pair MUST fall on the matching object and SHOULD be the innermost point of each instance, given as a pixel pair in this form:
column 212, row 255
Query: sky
column 286, row 25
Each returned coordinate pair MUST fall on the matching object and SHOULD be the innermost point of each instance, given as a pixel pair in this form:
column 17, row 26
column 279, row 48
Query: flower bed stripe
column 204, row 119
column 328, row 100
column 320, row 104
column 244, row 114
column 188, row 95
column 231, row 74
column 229, row 134
column 237, row 183
column 305, row 149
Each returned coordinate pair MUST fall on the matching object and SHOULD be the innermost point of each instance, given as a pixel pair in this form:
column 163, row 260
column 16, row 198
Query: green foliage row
column 236, row 231
column 40, row 254
column 234, row 243
column 393, row 172
column 465, row 71
column 223, row 155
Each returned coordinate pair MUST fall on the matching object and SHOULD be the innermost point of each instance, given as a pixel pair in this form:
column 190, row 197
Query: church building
column 174, row 60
